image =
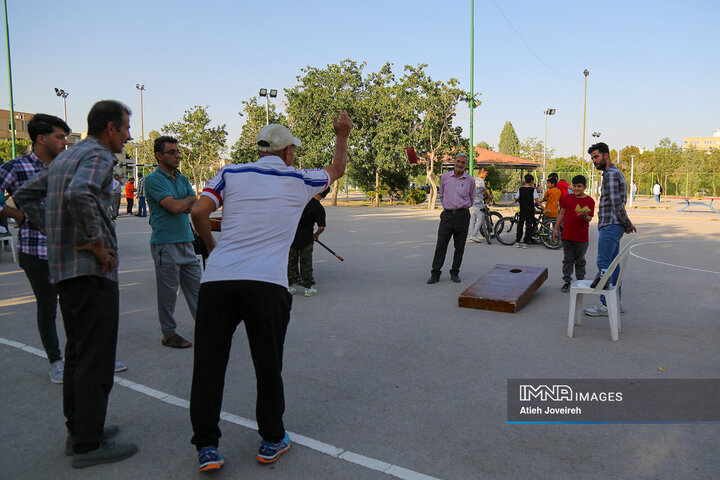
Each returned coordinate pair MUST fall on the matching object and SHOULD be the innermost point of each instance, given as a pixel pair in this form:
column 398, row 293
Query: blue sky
column 653, row 67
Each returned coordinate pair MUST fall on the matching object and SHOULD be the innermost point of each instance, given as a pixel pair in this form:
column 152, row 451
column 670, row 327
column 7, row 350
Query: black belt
column 457, row 210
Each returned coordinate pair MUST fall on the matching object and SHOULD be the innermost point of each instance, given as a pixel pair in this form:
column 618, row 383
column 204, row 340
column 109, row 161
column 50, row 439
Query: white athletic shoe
column 291, row 290
column 600, row 310
column 475, row 238
column 309, row 292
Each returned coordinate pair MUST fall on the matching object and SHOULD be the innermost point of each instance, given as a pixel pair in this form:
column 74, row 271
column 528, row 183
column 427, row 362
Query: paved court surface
column 385, row 376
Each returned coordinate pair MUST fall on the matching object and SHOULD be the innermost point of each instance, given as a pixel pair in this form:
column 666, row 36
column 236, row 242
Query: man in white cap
column 245, row 280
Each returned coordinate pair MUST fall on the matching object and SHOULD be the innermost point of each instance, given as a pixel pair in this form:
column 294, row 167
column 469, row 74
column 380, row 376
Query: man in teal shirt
column 170, row 197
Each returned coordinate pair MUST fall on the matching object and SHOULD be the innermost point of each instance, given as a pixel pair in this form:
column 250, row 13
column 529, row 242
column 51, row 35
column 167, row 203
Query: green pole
column 12, row 109
column 472, row 84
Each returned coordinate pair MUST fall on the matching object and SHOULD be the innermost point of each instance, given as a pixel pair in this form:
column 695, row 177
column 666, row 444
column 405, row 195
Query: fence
column 676, row 184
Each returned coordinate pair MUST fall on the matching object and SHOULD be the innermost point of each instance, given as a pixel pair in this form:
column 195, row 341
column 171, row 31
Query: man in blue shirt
column 170, row 198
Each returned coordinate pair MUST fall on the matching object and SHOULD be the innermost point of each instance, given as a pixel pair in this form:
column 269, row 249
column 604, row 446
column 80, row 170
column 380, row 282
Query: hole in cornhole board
column 505, row 288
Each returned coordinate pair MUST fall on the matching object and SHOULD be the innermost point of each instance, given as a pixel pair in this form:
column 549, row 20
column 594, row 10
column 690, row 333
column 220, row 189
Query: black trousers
column 265, row 310
column 129, row 205
column 89, row 305
column 46, row 301
column 455, row 224
column 528, row 223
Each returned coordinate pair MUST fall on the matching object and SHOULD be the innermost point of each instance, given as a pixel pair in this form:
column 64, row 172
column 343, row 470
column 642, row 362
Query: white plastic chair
column 7, row 240
column 612, row 295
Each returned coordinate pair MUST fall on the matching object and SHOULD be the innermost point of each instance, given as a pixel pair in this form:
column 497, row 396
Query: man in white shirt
column 245, row 280
column 476, row 215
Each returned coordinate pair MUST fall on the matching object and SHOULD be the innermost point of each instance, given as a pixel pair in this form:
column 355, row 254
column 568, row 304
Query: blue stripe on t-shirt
column 262, row 171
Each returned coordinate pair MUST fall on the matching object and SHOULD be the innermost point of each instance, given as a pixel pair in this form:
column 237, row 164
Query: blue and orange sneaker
column 210, row 459
column 269, row 452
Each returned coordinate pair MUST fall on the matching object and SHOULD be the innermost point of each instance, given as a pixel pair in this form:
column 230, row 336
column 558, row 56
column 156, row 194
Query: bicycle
column 542, row 230
column 487, row 228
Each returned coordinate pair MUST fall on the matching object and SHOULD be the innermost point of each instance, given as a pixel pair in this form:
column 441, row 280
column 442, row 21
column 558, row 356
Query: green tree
column 255, row 114
column 434, row 109
column 319, row 95
column 666, row 161
column 484, row 145
column 509, row 142
column 201, row 146
column 22, row 147
column 145, row 152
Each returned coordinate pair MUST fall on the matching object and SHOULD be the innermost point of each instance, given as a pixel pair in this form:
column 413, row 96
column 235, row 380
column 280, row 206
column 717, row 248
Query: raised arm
column 342, row 126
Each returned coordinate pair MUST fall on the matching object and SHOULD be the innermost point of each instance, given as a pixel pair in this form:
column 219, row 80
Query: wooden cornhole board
column 505, row 288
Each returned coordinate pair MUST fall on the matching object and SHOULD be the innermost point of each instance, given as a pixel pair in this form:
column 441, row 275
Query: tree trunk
column 377, row 187
column 433, row 187
column 335, row 187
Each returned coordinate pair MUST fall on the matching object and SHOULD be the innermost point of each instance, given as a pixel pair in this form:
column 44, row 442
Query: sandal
column 176, row 341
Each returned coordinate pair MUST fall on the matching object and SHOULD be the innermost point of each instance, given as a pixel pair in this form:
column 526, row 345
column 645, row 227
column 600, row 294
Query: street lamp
column 586, row 72
column 140, row 87
column 549, row 111
column 592, row 172
column 632, row 178
column 142, row 126
column 272, row 94
column 62, row 93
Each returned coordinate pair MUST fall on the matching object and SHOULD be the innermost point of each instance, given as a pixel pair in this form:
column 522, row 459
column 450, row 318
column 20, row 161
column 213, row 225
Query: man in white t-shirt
column 477, row 215
column 657, row 190
column 245, row 280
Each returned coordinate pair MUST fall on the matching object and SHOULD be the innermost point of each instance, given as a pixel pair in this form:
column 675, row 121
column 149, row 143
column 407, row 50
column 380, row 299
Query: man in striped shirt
column 613, row 220
column 69, row 201
column 245, row 280
column 48, row 135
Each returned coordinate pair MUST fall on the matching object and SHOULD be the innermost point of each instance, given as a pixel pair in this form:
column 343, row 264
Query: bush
column 416, row 196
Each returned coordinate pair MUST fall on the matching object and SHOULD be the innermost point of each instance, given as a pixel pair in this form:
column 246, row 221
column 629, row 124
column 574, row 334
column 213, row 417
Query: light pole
column 12, row 105
column 595, row 135
column 62, row 93
column 586, row 72
column 549, row 111
column 142, row 125
column 632, row 178
column 140, row 87
column 272, row 94
column 471, row 164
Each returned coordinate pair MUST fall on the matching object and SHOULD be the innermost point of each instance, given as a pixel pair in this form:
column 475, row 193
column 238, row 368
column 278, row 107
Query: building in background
column 703, row 143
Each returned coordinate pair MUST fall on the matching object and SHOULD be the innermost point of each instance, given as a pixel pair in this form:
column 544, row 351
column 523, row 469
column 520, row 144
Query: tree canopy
column 201, row 146
column 256, row 116
column 509, row 142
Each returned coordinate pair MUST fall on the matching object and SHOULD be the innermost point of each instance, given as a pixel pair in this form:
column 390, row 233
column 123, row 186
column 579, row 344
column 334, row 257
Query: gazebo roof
column 484, row 157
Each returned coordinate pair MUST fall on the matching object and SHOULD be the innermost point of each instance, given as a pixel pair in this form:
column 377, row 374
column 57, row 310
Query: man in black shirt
column 526, row 196
column 302, row 246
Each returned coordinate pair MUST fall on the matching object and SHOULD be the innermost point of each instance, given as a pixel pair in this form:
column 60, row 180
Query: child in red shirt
column 576, row 212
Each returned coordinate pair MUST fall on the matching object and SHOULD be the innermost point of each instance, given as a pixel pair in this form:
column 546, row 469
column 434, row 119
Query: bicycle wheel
column 545, row 233
column 494, row 218
column 505, row 230
column 486, row 228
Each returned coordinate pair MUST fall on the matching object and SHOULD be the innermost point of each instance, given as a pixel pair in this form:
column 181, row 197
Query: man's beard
column 601, row 166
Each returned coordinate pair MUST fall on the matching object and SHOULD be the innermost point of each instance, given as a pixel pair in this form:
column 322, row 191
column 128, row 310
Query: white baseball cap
column 274, row 137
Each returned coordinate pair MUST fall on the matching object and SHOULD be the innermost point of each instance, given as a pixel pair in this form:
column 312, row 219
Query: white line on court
column 670, row 264
column 346, row 455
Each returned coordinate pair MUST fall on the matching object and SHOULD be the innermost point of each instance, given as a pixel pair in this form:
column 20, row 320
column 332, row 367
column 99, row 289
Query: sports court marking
column 670, row 264
column 336, row 452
